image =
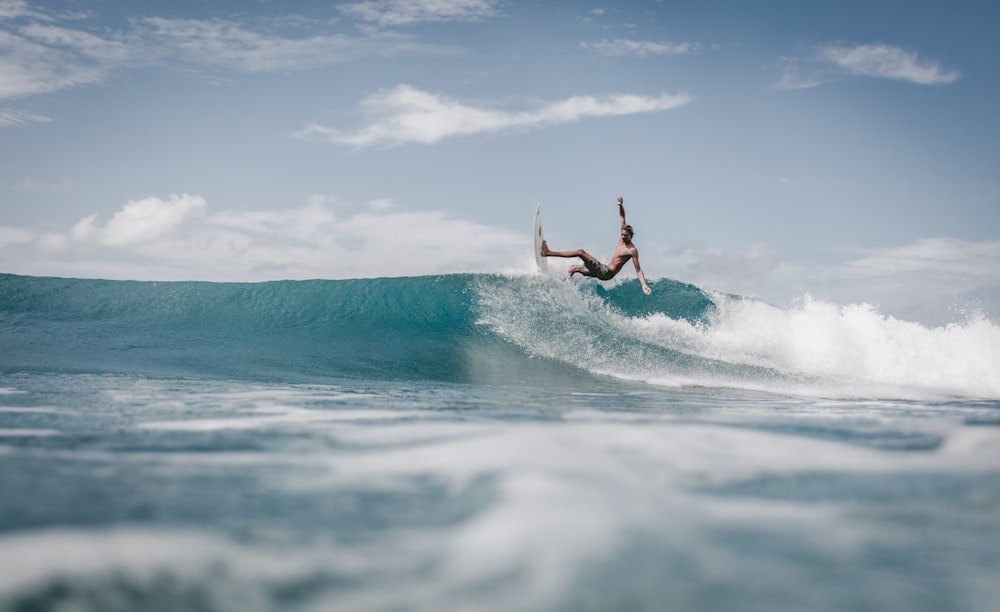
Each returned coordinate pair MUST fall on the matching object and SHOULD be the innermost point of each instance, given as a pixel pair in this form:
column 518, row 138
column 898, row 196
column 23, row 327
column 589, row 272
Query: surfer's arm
column 638, row 272
column 621, row 210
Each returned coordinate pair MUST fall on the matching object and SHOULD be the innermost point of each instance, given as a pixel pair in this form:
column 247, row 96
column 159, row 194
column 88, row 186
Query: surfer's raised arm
column 621, row 209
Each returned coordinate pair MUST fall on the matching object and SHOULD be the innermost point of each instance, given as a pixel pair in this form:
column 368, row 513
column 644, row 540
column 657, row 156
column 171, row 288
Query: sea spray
column 858, row 349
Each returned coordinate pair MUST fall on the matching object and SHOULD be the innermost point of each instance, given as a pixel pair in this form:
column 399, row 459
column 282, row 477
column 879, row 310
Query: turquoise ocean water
column 489, row 442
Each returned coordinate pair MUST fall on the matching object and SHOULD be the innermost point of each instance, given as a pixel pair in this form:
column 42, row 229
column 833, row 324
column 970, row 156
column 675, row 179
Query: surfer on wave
column 624, row 251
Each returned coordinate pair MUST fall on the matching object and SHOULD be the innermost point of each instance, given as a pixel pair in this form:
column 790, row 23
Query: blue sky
column 848, row 150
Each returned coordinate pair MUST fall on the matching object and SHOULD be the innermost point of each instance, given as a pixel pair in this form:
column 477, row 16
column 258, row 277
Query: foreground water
column 488, row 443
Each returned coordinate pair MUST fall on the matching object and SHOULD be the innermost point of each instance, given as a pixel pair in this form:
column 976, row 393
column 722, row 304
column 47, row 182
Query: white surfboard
column 541, row 262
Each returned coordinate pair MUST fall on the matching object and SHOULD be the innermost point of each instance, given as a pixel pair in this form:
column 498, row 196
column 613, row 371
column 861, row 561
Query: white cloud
column 179, row 239
column 13, row 236
column 408, row 12
column 235, row 46
column 39, row 56
column 406, row 114
column 945, row 256
column 13, row 117
column 225, row 43
column 11, row 9
column 30, row 185
column 139, row 222
column 641, row 48
column 795, row 76
column 834, row 62
column 85, row 44
column 887, row 62
column 37, row 59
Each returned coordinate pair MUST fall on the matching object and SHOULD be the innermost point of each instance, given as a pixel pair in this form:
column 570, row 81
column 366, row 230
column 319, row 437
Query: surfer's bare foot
column 545, row 249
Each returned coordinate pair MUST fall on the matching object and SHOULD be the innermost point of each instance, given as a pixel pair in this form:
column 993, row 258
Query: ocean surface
column 489, row 443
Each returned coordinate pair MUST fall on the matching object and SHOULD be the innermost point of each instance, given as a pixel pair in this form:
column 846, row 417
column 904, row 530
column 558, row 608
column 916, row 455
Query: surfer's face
column 626, row 237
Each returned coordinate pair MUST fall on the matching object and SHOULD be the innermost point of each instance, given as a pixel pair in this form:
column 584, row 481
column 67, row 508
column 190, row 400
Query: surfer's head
column 627, row 230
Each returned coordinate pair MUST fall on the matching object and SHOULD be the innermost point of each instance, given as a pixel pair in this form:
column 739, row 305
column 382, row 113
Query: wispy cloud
column 232, row 45
column 37, row 58
column 883, row 61
column 12, row 9
column 834, row 62
column 408, row 12
column 14, row 117
column 43, row 52
column 621, row 47
column 408, row 115
column 180, row 238
column 797, row 73
column 947, row 256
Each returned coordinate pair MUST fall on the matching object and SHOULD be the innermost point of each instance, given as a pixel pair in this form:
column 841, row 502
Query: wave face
column 495, row 329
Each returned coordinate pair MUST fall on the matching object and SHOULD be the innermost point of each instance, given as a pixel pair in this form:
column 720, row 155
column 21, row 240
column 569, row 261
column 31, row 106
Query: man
column 591, row 267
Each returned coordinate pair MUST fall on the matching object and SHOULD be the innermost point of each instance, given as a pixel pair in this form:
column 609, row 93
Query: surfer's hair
column 628, row 228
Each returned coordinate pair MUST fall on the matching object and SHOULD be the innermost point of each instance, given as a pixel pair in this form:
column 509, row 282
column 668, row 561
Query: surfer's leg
column 583, row 255
column 546, row 252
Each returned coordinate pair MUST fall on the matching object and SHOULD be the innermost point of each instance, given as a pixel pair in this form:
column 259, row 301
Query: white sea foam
column 857, row 350
column 814, row 348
